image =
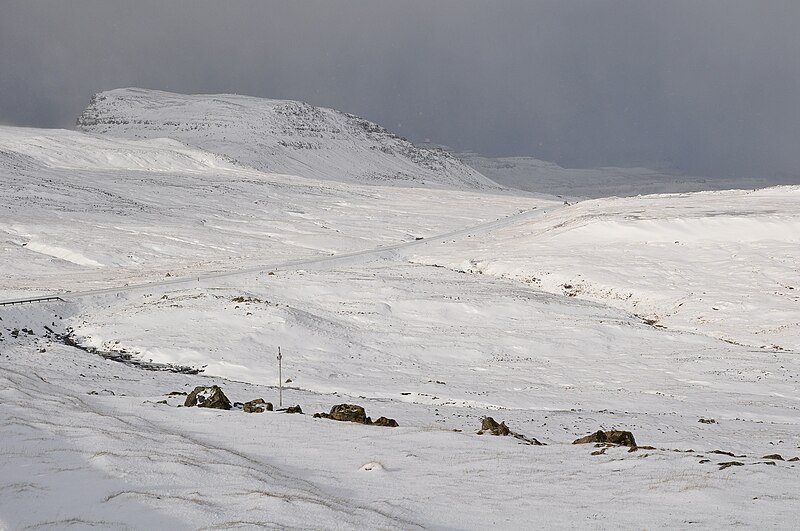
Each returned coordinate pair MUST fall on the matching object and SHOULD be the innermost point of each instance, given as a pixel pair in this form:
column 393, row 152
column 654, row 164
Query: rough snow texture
column 645, row 314
column 279, row 136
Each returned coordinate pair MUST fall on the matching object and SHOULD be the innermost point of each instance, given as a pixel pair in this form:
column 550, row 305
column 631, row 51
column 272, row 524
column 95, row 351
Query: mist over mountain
column 539, row 176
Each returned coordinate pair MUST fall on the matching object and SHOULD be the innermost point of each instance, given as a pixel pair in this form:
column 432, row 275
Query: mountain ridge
column 279, row 136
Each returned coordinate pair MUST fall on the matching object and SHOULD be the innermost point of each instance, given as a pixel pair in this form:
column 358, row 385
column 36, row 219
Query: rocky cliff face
column 279, row 136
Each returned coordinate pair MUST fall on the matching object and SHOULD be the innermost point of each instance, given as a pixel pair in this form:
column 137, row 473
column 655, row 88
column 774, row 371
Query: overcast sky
column 707, row 87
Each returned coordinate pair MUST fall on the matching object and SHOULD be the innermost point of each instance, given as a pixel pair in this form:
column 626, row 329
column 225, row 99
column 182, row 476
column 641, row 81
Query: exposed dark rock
column 176, row 393
column 723, row 466
column 491, row 425
column 707, row 421
column 488, row 424
column 354, row 413
column 210, row 397
column 776, row 457
column 348, row 413
column 528, row 440
column 294, row 409
column 620, row 438
column 241, row 299
column 794, row 459
column 256, row 406
column 722, row 452
column 383, row 421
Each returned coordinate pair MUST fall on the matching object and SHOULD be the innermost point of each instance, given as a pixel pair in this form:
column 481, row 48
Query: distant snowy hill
column 278, row 136
column 538, row 176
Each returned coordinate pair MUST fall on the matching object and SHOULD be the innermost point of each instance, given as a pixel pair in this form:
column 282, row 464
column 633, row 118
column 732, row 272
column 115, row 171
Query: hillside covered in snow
column 278, row 136
column 176, row 257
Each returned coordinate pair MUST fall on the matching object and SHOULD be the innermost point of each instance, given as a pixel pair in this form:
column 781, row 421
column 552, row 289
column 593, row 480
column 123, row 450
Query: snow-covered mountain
column 538, row 176
column 279, row 136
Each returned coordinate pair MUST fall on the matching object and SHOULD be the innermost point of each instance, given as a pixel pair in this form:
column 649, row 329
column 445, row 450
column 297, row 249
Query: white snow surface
column 645, row 314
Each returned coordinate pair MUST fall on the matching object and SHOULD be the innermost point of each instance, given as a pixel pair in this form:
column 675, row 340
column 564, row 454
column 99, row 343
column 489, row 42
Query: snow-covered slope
column 538, row 176
column 81, row 210
column 279, row 136
column 722, row 263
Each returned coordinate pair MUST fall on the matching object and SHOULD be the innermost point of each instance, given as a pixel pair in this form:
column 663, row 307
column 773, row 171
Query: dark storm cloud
column 708, row 87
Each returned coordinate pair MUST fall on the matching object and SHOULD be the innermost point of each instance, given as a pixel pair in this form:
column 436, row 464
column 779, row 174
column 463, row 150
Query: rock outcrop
column 489, row 425
column 615, row 437
column 257, row 406
column 348, row 413
column 210, row 397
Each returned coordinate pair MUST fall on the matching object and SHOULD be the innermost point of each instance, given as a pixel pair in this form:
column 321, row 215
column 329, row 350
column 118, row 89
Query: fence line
column 31, row 300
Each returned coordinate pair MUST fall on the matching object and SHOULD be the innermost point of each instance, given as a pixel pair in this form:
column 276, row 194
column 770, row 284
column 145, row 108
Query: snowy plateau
column 178, row 241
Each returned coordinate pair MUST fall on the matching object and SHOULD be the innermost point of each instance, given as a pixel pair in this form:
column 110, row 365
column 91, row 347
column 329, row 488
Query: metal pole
column 280, row 380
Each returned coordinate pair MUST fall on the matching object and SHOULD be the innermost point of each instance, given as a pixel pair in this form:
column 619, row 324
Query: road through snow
column 377, row 252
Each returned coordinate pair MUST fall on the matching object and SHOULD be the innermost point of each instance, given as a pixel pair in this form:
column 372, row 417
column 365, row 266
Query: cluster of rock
column 612, row 437
column 213, row 397
column 355, row 413
column 600, row 438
